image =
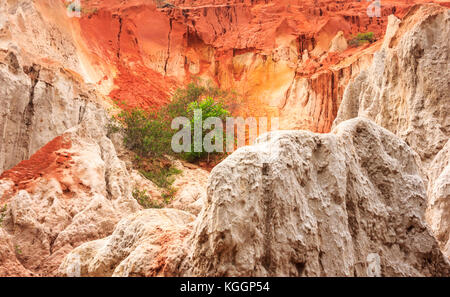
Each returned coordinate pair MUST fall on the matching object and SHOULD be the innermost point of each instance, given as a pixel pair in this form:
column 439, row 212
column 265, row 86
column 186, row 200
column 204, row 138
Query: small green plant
column 361, row 38
column 3, row 214
column 162, row 177
column 112, row 127
column 145, row 200
column 168, row 194
column 146, row 133
column 149, row 135
column 18, row 250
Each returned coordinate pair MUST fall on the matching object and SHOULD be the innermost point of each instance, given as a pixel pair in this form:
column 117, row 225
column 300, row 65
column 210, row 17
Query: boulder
column 139, row 246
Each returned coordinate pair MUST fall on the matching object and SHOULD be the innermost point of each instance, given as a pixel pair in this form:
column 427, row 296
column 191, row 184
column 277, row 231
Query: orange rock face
column 264, row 50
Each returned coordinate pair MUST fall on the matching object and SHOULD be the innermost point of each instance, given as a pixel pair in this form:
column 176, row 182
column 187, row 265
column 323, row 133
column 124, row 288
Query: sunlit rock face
column 438, row 211
column 43, row 88
column 39, row 102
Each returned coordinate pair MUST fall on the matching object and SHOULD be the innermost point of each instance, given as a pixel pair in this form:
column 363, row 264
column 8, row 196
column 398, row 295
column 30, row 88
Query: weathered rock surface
column 42, row 78
column 72, row 190
column 438, row 212
column 406, row 91
column 350, row 203
column 190, row 185
column 9, row 265
column 347, row 203
column 406, row 88
column 139, row 246
column 38, row 103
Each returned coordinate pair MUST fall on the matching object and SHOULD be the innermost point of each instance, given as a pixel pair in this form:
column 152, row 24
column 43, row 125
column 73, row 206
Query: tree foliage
column 362, row 38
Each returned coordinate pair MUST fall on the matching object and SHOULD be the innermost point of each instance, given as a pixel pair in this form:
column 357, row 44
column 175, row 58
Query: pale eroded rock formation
column 406, row 88
column 38, row 103
column 297, row 203
column 72, row 190
column 438, row 212
column 406, row 91
column 43, row 92
column 139, row 246
column 347, row 203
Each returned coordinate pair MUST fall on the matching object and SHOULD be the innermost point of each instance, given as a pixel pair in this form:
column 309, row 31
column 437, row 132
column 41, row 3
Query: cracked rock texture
column 43, row 75
column 348, row 203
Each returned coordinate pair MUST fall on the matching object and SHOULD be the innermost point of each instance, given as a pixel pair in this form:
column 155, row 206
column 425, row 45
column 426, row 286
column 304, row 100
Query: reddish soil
column 45, row 162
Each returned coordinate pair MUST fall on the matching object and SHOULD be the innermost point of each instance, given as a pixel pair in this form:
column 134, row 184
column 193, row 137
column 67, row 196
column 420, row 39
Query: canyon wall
column 286, row 59
column 278, row 56
column 286, row 206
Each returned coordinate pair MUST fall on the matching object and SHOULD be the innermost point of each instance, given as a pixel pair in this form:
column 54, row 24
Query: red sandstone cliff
column 275, row 54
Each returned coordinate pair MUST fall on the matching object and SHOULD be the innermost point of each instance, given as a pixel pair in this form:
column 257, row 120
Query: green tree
column 209, row 109
column 149, row 133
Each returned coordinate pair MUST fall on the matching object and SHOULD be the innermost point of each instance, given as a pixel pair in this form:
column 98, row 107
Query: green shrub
column 145, row 200
column 149, row 133
column 3, row 214
column 146, row 133
column 162, row 177
column 361, row 38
